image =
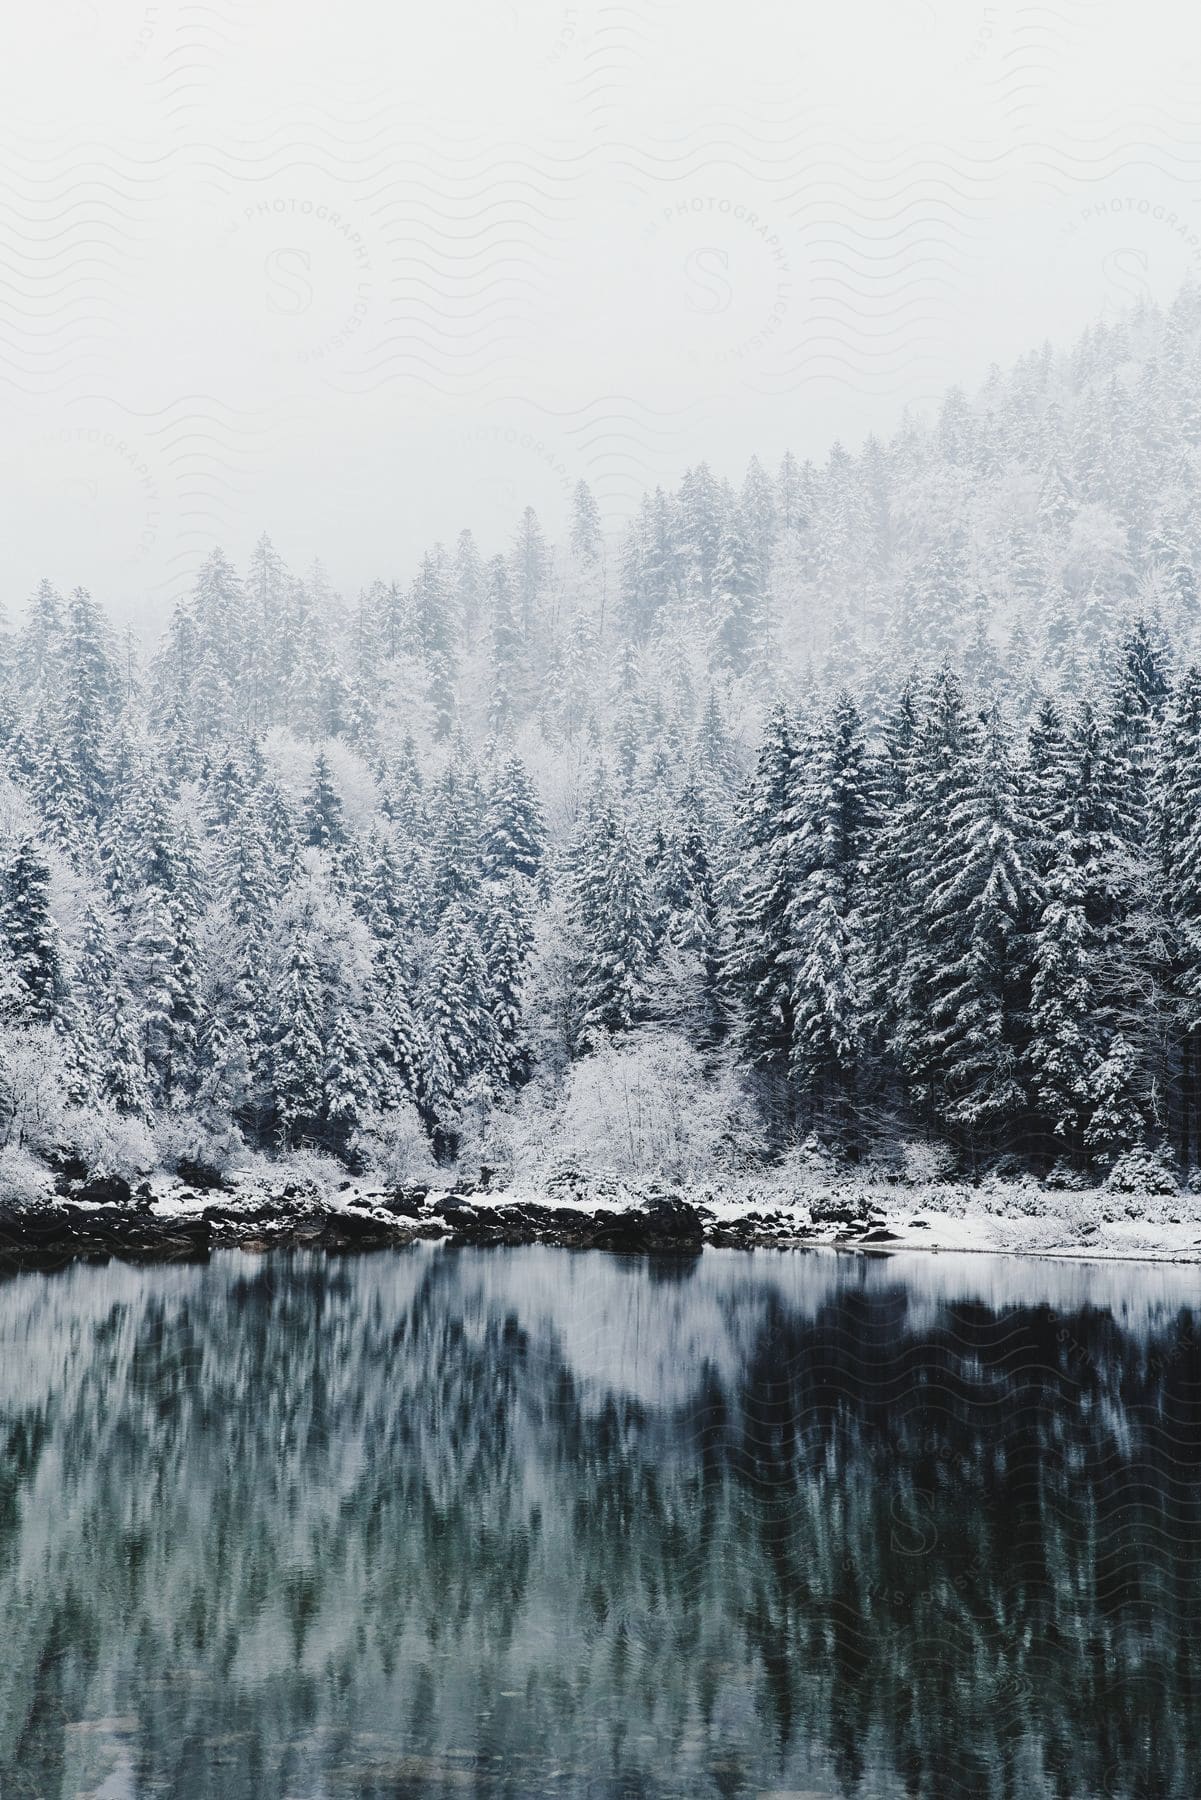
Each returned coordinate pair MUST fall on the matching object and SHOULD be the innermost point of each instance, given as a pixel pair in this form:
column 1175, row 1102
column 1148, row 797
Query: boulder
column 665, row 1224
column 200, row 1175
column 109, row 1190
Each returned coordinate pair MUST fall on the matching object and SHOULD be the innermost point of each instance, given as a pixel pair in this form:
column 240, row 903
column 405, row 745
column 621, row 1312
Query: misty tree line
column 988, row 930
column 940, row 920
column 314, row 866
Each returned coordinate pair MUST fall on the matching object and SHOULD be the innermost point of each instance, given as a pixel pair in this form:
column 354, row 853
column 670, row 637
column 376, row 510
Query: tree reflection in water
column 523, row 1522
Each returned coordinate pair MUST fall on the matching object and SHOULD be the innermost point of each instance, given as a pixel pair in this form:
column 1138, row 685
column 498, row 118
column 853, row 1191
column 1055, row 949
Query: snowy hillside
column 857, row 805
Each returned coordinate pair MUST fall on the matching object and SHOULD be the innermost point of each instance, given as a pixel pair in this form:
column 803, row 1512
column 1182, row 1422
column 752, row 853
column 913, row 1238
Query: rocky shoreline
column 105, row 1219
column 197, row 1211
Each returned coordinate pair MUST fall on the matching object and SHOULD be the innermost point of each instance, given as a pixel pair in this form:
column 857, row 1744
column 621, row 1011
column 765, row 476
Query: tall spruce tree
column 824, row 918
column 759, row 970
column 35, row 980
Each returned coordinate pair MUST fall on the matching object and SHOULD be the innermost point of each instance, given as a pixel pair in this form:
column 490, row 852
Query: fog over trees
column 860, row 800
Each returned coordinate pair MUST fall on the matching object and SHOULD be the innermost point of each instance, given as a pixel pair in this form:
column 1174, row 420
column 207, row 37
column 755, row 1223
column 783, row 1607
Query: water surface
column 527, row 1522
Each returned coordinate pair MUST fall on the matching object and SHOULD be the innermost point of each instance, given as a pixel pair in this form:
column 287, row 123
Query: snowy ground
column 1009, row 1217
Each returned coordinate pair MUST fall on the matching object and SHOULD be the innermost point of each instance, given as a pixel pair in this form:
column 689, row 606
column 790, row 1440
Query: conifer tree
column 982, row 911
column 227, row 789
column 617, row 935
column 824, row 918
column 530, row 567
column 88, row 694
column 505, row 684
column 699, row 520
column 1140, row 691
column 107, row 1018
column 455, row 852
column 280, row 827
column 586, row 540
column 692, row 917
column 67, row 815
column 761, row 958
column 507, row 940
column 346, row 1085
column 163, row 956
column 36, row 980
column 437, row 628
column 737, row 598
column 514, row 832
column 401, row 1040
column 459, row 1021
column 297, row 1057
column 325, row 826
column 39, row 644
column 1177, row 832
column 928, row 945
column 650, row 567
column 268, row 648
column 574, row 696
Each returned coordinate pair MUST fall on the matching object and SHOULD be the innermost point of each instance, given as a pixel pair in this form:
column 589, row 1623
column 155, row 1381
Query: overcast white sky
column 361, row 274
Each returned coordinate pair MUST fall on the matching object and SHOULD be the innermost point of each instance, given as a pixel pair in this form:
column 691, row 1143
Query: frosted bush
column 309, row 1169
column 196, row 1138
column 808, row 1164
column 33, row 1085
column 646, row 1106
column 520, row 1138
column 925, row 1164
column 24, row 1181
column 109, row 1143
column 397, row 1147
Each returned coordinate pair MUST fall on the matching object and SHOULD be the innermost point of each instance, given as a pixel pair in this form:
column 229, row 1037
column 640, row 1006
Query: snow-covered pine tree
column 507, row 941
column 824, row 920
column 760, row 959
column 1085, row 987
column 298, row 1047
column 650, row 568
column 468, row 586
column 457, row 804
column 324, row 821
column 587, row 542
column 928, row 944
column 1177, row 838
column 68, row 816
column 107, row 1019
column 458, row 1021
column 699, row 518
column 982, row 912
column 529, row 564
column 164, row 963
column 88, row 696
column 514, row 831
column 347, row 1087
column 617, row 944
column 1139, row 693
column 438, row 630
column 268, row 649
column 35, row 986
column 506, row 678
column 757, row 510
column 398, row 1033
column 737, row 585
column 39, row 646
column 689, row 987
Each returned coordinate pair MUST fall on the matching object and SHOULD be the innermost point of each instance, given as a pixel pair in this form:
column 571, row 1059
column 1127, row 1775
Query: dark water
column 533, row 1523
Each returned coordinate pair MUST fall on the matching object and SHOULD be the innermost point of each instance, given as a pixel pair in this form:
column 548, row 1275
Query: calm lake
column 529, row 1522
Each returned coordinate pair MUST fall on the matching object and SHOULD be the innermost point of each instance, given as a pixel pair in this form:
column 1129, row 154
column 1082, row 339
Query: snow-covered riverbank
column 170, row 1217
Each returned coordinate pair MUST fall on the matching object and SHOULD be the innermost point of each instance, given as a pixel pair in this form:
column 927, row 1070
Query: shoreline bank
column 174, row 1221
